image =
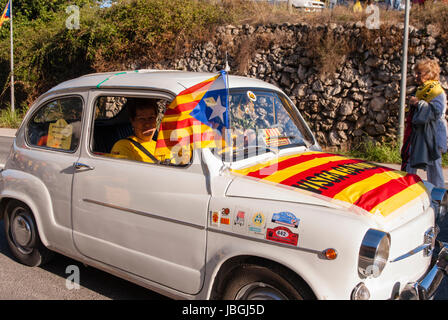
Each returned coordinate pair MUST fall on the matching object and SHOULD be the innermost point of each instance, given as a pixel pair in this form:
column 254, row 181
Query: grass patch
column 381, row 153
column 10, row 119
column 375, row 152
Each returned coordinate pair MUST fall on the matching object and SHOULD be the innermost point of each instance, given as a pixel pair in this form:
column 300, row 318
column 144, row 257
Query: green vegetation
column 375, row 152
column 46, row 52
column 9, row 119
column 381, row 153
column 147, row 33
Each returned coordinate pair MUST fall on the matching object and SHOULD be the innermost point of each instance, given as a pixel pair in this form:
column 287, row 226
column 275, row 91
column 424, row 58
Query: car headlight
column 374, row 253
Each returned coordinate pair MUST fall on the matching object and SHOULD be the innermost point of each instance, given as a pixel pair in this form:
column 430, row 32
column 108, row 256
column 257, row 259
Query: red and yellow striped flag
column 272, row 138
column 194, row 119
column 376, row 189
column 6, row 14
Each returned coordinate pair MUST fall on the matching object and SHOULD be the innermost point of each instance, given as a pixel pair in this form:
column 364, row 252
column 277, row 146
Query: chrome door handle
column 79, row 165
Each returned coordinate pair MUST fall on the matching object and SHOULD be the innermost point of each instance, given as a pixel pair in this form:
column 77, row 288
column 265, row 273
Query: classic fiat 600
column 263, row 214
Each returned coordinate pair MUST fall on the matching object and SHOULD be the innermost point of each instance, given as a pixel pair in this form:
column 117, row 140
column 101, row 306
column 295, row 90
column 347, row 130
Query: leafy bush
column 10, row 119
column 376, row 152
column 382, row 153
column 112, row 38
column 143, row 33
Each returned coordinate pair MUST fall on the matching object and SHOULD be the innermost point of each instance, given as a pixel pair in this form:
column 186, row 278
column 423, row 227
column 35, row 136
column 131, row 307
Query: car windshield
column 262, row 121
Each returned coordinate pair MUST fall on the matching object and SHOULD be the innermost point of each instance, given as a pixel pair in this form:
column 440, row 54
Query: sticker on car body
column 251, row 96
column 240, row 220
column 282, row 235
column 257, row 223
column 225, row 216
column 286, row 218
column 214, row 218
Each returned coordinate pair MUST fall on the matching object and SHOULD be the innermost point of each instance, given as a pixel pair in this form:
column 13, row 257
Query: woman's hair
column 428, row 67
column 140, row 103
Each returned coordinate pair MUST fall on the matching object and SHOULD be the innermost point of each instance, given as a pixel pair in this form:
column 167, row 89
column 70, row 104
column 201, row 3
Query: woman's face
column 420, row 76
column 144, row 123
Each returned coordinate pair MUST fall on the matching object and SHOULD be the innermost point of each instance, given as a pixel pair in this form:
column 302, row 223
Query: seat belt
column 143, row 149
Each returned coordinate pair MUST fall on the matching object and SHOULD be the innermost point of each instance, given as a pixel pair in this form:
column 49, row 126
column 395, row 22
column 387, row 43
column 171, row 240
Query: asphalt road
column 19, row 282
column 49, row 282
column 5, row 146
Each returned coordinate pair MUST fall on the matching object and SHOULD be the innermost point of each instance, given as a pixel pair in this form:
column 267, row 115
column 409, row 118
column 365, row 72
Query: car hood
column 325, row 179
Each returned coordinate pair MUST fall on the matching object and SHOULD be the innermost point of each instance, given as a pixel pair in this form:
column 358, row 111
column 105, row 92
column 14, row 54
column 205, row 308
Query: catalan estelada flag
column 6, row 13
column 376, row 189
column 196, row 118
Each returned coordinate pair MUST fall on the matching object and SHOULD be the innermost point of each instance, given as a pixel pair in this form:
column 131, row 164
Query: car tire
column 22, row 235
column 253, row 282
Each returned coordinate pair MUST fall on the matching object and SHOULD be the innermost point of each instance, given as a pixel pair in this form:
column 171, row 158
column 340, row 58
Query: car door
column 47, row 149
column 145, row 219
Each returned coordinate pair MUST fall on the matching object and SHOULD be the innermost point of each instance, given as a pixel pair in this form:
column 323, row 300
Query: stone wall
column 345, row 79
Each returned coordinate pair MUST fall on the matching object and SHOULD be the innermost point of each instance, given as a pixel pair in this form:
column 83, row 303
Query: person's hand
column 413, row 101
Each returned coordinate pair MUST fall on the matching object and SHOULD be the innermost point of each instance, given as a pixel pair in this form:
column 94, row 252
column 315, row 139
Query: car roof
column 166, row 80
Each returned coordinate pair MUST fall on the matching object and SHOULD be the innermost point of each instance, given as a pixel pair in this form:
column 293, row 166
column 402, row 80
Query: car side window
column 56, row 125
column 116, row 119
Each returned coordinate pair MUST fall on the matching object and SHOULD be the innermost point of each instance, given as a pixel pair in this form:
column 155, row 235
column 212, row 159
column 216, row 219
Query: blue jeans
column 434, row 172
column 393, row 4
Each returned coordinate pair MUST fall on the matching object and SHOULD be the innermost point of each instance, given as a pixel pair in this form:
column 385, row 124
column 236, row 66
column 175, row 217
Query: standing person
column 426, row 130
column 357, row 6
column 397, row 4
column 389, row 4
column 420, row 3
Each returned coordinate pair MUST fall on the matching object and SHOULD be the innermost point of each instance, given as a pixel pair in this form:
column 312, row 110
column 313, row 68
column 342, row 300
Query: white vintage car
column 306, row 5
column 272, row 217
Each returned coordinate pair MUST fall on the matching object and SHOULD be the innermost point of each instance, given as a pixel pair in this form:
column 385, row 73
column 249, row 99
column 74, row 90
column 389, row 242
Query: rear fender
column 30, row 190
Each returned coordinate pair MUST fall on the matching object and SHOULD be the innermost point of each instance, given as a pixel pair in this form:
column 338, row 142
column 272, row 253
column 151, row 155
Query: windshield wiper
column 246, row 151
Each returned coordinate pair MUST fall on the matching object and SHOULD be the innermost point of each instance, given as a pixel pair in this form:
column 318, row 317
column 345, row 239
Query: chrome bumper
column 426, row 287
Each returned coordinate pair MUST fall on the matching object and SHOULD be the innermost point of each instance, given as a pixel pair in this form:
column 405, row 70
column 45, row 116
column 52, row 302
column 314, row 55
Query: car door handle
column 79, row 166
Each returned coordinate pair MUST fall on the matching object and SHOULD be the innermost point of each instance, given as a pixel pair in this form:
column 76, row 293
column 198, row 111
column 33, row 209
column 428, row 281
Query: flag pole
column 404, row 72
column 12, row 58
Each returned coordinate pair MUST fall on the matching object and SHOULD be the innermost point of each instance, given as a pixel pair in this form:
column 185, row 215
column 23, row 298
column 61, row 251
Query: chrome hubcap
column 259, row 291
column 21, row 230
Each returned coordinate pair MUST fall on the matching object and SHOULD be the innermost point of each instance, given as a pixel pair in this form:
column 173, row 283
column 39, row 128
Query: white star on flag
column 218, row 110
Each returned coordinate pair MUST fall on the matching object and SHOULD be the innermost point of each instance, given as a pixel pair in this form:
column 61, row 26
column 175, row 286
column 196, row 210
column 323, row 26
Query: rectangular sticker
column 282, row 235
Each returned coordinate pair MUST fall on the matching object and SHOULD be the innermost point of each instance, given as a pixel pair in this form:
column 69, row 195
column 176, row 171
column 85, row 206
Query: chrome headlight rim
column 373, row 253
column 444, row 201
column 439, row 197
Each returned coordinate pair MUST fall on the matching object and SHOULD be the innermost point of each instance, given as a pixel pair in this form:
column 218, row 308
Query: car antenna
column 181, row 85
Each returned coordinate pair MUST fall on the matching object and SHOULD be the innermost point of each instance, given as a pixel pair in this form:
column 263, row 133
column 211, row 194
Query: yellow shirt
column 125, row 149
column 357, row 7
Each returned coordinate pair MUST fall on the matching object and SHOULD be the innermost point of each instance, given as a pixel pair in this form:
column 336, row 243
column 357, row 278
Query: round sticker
column 258, row 219
column 251, row 96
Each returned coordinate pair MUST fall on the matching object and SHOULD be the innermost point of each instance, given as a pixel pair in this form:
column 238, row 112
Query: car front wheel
column 22, row 235
column 252, row 282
